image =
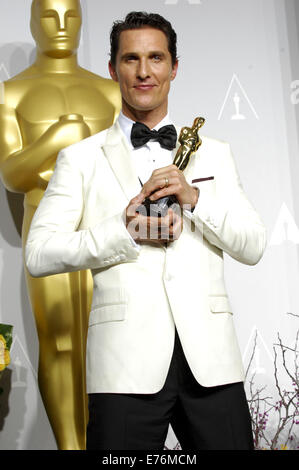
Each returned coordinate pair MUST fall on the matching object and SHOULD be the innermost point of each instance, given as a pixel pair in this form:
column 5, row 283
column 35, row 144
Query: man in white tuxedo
column 161, row 343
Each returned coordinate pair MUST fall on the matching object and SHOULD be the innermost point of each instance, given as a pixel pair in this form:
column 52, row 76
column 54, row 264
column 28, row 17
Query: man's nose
column 143, row 70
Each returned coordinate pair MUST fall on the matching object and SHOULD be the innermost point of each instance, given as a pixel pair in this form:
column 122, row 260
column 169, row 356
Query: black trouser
column 214, row 418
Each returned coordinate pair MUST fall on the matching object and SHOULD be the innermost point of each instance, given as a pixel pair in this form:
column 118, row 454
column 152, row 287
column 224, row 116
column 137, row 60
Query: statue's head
column 56, row 26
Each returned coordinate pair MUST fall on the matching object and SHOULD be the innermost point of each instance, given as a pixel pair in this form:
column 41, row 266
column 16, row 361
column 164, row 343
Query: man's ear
column 112, row 72
column 174, row 70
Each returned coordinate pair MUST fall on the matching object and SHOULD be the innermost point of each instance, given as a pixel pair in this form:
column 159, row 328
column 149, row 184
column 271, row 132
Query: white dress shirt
column 150, row 156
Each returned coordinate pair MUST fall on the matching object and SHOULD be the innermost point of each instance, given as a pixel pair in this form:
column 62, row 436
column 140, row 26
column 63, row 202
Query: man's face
column 55, row 25
column 144, row 70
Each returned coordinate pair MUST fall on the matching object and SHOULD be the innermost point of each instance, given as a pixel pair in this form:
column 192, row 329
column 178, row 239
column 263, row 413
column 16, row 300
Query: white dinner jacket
column 140, row 294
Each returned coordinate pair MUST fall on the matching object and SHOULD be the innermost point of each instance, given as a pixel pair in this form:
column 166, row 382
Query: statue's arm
column 20, row 166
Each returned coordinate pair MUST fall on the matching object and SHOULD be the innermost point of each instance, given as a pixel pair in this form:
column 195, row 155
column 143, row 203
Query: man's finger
column 137, row 199
column 165, row 169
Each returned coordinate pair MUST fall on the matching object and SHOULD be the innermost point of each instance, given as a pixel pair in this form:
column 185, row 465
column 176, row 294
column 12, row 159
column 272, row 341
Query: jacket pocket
column 112, row 307
column 220, row 304
column 107, row 313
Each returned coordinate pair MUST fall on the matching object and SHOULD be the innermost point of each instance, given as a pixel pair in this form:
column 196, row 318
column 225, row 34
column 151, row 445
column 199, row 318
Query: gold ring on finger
column 166, row 182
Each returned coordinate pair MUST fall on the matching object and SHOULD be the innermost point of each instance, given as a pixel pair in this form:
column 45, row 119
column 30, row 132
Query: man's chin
column 142, row 106
column 145, row 106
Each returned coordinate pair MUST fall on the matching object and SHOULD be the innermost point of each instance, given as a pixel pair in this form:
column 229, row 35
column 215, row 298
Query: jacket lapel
column 117, row 152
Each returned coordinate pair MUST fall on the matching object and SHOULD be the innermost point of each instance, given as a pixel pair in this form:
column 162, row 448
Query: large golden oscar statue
column 50, row 105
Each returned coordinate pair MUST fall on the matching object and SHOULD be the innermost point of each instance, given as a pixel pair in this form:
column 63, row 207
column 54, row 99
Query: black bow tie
column 141, row 134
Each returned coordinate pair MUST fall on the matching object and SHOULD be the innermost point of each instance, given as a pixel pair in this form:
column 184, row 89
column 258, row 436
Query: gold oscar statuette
column 47, row 107
column 190, row 142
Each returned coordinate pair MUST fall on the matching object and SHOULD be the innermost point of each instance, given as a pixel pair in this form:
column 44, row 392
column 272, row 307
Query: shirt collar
column 126, row 124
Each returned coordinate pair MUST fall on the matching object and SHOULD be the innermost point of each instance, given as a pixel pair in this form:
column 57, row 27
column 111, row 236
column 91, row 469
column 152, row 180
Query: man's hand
column 157, row 230
column 167, row 181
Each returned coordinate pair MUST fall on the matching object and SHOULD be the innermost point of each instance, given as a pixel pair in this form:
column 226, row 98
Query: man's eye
column 131, row 58
column 156, row 58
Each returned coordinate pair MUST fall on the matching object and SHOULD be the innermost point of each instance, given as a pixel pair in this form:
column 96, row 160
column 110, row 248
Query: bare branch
column 252, row 355
column 293, row 314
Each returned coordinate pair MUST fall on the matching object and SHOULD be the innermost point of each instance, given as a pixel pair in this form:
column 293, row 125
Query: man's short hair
column 139, row 20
